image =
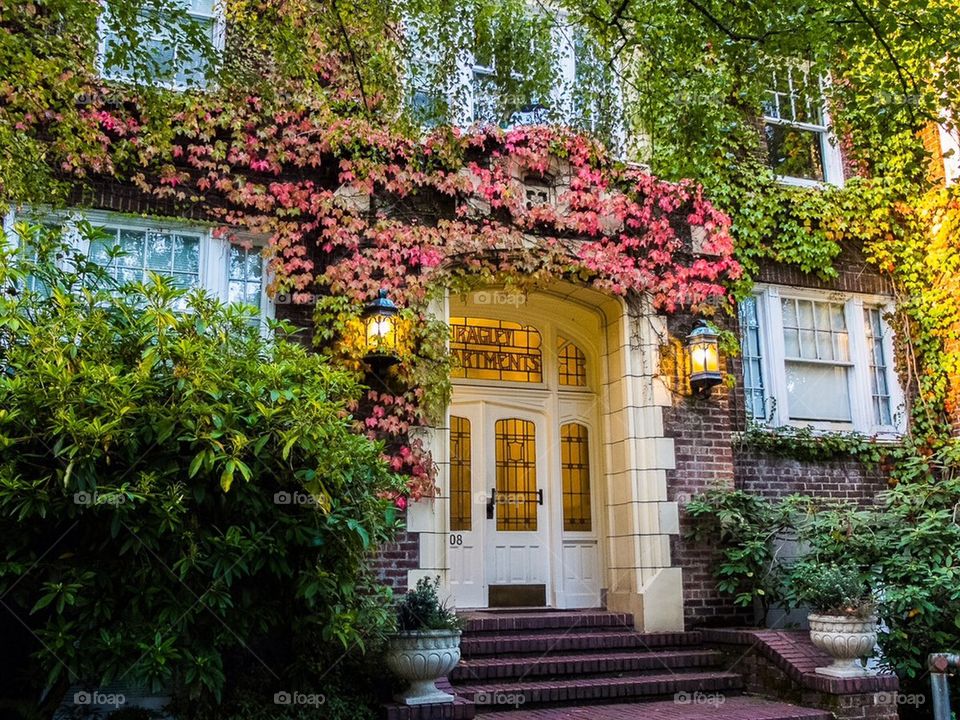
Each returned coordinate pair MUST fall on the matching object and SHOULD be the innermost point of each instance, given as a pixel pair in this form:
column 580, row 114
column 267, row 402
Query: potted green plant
column 426, row 645
column 843, row 622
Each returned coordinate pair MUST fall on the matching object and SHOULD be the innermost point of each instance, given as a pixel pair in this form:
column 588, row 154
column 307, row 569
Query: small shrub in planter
column 843, row 622
column 426, row 646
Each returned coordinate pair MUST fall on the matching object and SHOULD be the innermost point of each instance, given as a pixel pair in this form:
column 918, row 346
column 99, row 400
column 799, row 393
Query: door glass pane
column 460, row 483
column 575, row 470
column 516, row 456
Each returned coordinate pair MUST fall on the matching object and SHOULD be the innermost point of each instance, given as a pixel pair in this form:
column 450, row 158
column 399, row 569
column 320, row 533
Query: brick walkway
column 731, row 708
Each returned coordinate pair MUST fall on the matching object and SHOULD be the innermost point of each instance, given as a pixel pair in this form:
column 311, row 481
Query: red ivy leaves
column 338, row 199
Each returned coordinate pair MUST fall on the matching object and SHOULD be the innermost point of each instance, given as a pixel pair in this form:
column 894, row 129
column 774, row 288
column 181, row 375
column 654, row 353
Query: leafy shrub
column 743, row 527
column 421, row 609
column 177, row 490
column 830, row 589
column 906, row 547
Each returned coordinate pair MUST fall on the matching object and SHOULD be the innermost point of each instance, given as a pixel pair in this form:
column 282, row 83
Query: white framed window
column 174, row 56
column 801, row 150
column 172, row 253
column 820, row 359
column 187, row 253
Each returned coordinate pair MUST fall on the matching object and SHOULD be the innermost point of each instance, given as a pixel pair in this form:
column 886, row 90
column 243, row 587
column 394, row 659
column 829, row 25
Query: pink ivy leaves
column 277, row 172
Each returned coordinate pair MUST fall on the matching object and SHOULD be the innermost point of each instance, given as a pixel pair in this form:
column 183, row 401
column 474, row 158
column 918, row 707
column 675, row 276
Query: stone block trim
column 782, row 663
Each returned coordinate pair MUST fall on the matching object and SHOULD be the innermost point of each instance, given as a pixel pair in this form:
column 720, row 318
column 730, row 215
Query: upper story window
column 492, row 105
column 173, row 50
column 818, row 359
column 796, row 127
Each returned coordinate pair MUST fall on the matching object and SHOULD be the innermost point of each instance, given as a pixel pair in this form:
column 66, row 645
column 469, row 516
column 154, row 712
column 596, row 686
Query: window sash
column 145, row 253
column 752, row 354
column 881, row 401
column 208, row 267
column 786, row 98
column 177, row 68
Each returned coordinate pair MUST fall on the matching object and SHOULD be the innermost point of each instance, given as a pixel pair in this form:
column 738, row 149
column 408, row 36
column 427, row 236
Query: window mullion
column 214, row 264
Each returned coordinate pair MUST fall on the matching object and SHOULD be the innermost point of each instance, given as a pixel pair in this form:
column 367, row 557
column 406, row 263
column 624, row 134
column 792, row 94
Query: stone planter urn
column 421, row 658
column 846, row 639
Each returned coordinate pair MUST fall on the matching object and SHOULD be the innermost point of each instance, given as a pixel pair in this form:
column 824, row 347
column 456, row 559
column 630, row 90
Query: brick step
column 459, row 709
column 496, row 668
column 498, row 622
column 494, row 696
column 472, row 646
column 737, row 707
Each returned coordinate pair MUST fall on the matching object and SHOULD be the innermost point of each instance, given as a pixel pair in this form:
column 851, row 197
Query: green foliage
column 743, row 527
column 177, row 491
column 905, row 551
column 808, row 444
column 422, row 609
column 830, row 589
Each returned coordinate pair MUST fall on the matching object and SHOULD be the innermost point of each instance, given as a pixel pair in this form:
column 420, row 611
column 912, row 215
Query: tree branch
column 353, row 56
column 889, row 52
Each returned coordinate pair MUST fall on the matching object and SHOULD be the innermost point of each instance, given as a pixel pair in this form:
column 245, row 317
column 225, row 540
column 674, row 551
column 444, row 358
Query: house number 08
column 456, row 539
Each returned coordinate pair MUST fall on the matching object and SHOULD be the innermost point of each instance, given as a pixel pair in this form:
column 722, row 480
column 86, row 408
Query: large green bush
column 182, row 497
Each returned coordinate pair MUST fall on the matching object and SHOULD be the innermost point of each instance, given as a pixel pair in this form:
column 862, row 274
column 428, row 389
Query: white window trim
column 219, row 36
column 950, row 149
column 214, row 271
column 770, row 321
column 829, row 147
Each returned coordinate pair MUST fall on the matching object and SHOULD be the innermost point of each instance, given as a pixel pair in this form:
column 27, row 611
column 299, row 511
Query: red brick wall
column 778, row 477
column 854, row 275
column 392, row 561
column 701, row 431
column 704, row 431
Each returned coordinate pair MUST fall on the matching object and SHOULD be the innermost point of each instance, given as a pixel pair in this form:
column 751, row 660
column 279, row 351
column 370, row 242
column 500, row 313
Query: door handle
column 540, row 496
column 491, row 503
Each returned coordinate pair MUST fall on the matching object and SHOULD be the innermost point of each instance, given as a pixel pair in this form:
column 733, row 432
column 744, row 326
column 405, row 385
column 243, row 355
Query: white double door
column 501, row 491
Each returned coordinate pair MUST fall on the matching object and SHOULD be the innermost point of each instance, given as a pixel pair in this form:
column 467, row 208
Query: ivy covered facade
column 540, row 407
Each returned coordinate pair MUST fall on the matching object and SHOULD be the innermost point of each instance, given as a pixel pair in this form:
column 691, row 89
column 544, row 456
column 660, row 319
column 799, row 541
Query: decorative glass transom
column 487, row 349
column 571, row 364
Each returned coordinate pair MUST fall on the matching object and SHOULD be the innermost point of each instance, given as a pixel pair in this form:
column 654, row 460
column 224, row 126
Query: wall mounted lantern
column 703, row 357
column 380, row 330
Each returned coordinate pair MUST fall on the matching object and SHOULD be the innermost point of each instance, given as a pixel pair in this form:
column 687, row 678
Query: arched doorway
column 524, row 458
